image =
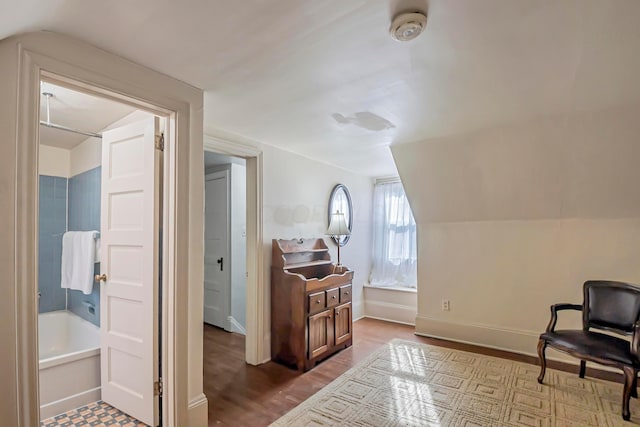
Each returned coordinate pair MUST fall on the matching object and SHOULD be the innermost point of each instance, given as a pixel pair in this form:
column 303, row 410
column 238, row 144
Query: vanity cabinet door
column 320, row 333
column 343, row 323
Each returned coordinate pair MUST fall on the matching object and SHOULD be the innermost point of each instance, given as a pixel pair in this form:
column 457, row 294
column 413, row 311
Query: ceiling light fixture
column 407, row 26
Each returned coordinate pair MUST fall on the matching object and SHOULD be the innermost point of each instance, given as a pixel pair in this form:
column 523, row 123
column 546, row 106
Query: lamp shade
column 338, row 225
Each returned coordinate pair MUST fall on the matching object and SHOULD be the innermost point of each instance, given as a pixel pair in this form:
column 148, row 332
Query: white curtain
column 394, row 238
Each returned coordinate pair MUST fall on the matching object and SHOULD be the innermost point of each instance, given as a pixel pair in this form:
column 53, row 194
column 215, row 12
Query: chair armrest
column 554, row 314
column 635, row 340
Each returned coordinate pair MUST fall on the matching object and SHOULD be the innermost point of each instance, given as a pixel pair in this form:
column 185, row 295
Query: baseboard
column 358, row 310
column 198, row 411
column 234, row 326
column 390, row 312
column 387, row 320
column 266, row 348
column 511, row 340
column 71, row 402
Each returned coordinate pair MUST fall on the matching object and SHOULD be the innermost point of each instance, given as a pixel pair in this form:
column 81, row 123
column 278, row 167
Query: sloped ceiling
column 324, row 79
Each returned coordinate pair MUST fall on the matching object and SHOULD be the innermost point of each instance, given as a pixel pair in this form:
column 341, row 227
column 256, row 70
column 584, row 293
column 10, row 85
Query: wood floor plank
column 244, row 395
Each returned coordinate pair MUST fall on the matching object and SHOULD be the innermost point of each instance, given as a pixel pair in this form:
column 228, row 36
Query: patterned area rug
column 412, row 384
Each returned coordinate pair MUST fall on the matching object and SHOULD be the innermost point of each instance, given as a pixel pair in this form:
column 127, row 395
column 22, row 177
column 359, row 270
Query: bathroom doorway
column 99, row 265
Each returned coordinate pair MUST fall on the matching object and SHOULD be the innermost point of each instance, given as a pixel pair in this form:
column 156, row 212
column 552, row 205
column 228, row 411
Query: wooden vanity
column 311, row 314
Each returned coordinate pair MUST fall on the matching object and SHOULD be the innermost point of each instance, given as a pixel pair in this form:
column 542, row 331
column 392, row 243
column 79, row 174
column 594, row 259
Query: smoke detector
column 407, row 26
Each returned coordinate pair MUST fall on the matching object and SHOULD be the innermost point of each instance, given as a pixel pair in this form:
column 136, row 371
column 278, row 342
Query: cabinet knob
column 317, row 301
column 346, row 293
column 337, row 314
column 334, row 297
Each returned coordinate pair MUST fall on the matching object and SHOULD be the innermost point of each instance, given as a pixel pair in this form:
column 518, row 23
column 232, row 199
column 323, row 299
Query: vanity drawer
column 317, row 302
column 345, row 294
column 333, row 297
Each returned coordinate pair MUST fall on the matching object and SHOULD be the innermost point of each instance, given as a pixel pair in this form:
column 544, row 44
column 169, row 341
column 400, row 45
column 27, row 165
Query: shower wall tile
column 84, row 200
column 52, row 216
column 84, row 215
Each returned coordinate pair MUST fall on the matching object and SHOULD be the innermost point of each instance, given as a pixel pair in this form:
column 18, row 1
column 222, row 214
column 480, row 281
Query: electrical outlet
column 445, row 305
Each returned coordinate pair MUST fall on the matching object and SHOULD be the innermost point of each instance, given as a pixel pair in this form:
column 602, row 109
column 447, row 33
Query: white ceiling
column 315, row 77
column 76, row 110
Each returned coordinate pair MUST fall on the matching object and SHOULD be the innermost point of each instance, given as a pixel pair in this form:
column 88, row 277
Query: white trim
column 391, row 312
column 234, row 326
column 393, row 289
column 511, row 340
column 387, row 320
column 100, row 72
column 198, row 411
column 519, row 341
column 358, row 308
column 388, row 180
column 229, row 147
column 257, row 349
column 75, row 401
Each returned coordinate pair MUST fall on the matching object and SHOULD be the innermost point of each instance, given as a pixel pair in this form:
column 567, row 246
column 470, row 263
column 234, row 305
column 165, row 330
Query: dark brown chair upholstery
column 608, row 306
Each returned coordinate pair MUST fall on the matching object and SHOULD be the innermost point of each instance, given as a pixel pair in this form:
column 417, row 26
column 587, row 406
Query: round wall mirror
column 340, row 201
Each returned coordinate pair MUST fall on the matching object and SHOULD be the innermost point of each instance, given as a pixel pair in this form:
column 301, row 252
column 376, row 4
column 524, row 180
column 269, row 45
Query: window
column 394, row 238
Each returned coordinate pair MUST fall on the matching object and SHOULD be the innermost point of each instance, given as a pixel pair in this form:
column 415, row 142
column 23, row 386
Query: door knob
column 101, row 278
column 221, row 262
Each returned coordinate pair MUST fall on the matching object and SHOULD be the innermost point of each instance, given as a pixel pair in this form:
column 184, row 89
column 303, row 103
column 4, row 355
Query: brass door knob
column 101, row 278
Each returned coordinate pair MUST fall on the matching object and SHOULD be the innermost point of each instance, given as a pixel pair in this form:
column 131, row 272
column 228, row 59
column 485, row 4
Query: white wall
column 86, row 156
column 513, row 219
column 296, row 192
column 54, row 161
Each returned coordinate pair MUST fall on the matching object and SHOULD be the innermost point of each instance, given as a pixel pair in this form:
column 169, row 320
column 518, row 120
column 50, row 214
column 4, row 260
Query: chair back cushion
column 610, row 305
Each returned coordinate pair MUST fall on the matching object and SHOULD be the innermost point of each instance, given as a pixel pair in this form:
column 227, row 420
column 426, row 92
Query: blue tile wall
column 84, row 215
column 52, row 214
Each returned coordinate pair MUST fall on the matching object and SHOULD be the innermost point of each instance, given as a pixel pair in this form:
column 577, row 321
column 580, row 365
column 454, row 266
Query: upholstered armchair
column 607, row 306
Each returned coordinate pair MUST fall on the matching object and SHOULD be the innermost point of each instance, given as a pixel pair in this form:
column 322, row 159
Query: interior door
column 217, row 277
column 130, row 261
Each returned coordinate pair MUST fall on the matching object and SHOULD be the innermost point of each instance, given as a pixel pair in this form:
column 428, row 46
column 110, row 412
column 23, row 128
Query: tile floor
column 94, row 414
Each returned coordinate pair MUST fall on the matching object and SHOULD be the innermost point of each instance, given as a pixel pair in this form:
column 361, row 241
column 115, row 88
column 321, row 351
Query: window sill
column 393, row 289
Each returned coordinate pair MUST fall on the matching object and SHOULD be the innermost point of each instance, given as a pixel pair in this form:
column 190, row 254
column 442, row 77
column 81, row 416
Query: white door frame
column 257, row 339
column 24, row 60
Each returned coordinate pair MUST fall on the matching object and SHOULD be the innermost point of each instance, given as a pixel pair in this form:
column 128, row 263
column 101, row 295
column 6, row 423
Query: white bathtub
column 69, row 348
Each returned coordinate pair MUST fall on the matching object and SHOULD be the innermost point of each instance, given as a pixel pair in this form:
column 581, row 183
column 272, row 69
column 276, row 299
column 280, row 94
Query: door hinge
column 157, row 388
column 160, row 142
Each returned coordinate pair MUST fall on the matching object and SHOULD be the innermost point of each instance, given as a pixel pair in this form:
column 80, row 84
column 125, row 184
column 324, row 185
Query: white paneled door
column 130, row 262
column 217, row 268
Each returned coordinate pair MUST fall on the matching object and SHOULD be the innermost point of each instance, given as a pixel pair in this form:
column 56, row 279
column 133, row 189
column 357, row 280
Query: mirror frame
column 344, row 239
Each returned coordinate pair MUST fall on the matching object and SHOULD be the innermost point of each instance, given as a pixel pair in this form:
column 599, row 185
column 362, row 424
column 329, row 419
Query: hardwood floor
column 244, row 395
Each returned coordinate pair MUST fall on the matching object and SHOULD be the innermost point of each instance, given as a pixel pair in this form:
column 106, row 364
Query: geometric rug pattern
column 94, row 414
column 412, row 384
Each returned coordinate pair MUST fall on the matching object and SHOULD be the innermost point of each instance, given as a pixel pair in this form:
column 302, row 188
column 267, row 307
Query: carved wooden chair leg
column 542, row 345
column 634, row 387
column 629, row 374
column 583, row 368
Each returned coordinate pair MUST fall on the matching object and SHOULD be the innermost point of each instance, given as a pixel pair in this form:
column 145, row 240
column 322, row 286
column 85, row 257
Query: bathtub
column 69, row 353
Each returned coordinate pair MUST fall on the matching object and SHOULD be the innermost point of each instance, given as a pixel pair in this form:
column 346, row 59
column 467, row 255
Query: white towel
column 78, row 257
